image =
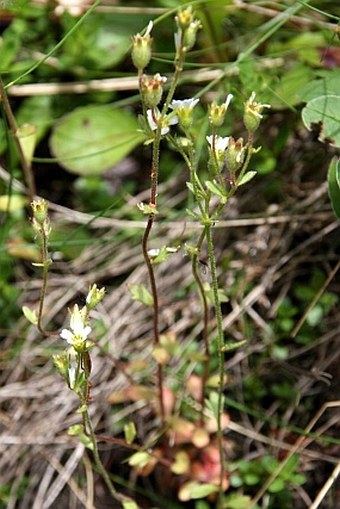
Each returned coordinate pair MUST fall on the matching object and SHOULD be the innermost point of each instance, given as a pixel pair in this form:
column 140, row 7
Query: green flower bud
column 141, row 48
column 152, row 89
column 184, row 18
column 217, row 112
column 94, row 296
column 235, row 154
column 62, row 364
column 190, row 34
column 39, row 208
column 253, row 113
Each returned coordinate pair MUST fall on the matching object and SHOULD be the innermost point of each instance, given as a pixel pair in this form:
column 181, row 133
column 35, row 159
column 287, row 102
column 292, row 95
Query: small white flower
column 185, row 104
column 220, row 143
column 154, row 117
column 78, row 332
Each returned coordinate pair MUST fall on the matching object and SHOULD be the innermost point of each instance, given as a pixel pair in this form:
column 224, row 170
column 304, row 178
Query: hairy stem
column 205, row 314
column 220, row 339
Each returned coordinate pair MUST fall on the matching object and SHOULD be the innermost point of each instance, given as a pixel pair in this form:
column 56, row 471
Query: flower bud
column 252, row 115
column 184, row 18
column 152, row 89
column 235, row 154
column 94, row 296
column 190, row 34
column 62, row 364
column 39, row 208
column 141, row 48
column 217, row 112
column 217, row 150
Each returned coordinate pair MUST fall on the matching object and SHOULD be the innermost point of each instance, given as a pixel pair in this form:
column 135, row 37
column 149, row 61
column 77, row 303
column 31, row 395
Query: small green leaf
column 162, row 254
column 334, row 184
column 129, row 504
column 140, row 293
column 247, row 177
column 216, row 189
column 30, row 314
column 130, row 432
column 202, row 490
column 181, row 464
column 233, row 345
column 139, row 459
column 212, row 403
column 147, row 209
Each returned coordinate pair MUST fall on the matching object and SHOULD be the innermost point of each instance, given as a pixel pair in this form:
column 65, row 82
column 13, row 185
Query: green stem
column 26, row 167
column 45, row 263
column 205, row 313
column 220, row 339
column 100, row 467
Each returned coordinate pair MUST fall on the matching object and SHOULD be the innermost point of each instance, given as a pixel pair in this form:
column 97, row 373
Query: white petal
column 228, row 99
column 152, row 123
column 67, row 335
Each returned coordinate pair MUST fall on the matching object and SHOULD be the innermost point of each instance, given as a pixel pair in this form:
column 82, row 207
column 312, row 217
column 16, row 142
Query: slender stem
column 205, row 313
column 26, row 166
column 100, row 467
column 45, row 263
column 220, row 339
column 154, row 292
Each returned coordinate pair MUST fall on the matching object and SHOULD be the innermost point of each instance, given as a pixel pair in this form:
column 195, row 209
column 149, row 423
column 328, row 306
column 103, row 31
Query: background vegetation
column 70, row 74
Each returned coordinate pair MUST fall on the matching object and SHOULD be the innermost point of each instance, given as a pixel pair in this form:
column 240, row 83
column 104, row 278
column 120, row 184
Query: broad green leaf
column 334, row 185
column 92, row 139
column 247, row 177
column 324, row 113
column 140, row 293
column 287, row 92
column 326, row 85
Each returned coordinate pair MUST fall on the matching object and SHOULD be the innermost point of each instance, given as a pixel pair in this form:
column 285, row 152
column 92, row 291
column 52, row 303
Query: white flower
column 78, row 332
column 220, row 143
column 185, row 104
column 154, row 117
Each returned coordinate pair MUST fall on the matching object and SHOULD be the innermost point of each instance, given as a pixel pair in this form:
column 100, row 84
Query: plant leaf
column 334, row 185
column 140, row 293
column 324, row 112
column 247, row 177
column 92, row 139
